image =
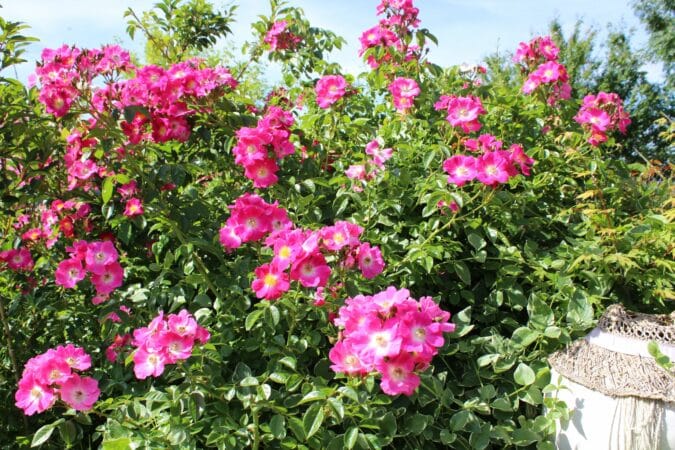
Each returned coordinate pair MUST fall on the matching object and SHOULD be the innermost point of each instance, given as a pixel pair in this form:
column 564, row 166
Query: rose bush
column 281, row 272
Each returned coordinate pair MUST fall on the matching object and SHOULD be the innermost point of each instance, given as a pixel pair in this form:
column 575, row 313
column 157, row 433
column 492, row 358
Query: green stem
column 256, row 431
column 8, row 338
column 10, row 350
column 447, row 225
column 201, row 267
column 149, row 36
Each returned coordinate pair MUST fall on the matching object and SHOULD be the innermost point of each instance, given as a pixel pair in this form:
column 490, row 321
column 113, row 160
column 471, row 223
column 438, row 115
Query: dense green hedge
column 524, row 267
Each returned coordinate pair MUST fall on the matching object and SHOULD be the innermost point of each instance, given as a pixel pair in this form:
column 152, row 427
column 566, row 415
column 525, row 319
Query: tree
column 658, row 16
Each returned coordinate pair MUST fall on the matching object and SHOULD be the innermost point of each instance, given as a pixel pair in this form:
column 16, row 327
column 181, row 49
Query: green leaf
column 488, row 359
column 351, row 436
column 312, row 420
column 661, row 359
column 480, row 439
column 579, row 310
column 502, row 404
column 476, row 241
column 532, row 396
column 459, row 420
column 552, row 332
column 249, row 381
column 337, row 408
column 312, row 397
column 524, row 336
column 523, row 437
column 296, row 426
column 252, row 318
column 116, row 444
column 42, row 435
column 68, row 432
column 289, row 362
column 107, row 189
column 278, row 426
column 462, row 271
column 272, row 316
column 447, row 437
column 524, row 375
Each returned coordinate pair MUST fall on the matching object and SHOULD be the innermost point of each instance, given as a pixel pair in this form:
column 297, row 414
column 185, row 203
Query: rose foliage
column 352, row 261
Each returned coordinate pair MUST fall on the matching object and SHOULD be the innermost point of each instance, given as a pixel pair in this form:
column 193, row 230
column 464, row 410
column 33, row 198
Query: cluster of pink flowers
column 99, row 259
column 166, row 340
column 51, row 375
column 389, row 35
column 329, row 89
column 463, row 112
column 17, row 259
column 473, row 74
column 391, row 333
column 494, row 166
column 484, row 142
column 63, row 70
column 602, row 113
column 373, row 166
column 120, row 341
column 82, row 167
column 540, row 57
column 554, row 74
column 164, row 93
column 303, row 252
column 68, row 72
column 541, row 48
column 404, row 91
column 81, row 164
column 161, row 96
column 280, row 38
column 129, row 192
column 258, row 149
column 251, row 219
column 60, row 218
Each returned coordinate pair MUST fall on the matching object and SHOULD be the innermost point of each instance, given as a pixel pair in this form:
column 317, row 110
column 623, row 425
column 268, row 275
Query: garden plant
column 191, row 258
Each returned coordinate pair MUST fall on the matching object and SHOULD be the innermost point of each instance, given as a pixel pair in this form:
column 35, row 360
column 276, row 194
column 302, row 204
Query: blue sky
column 467, row 30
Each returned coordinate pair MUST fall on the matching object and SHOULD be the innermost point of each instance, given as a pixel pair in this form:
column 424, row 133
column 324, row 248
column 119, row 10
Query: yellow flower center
column 270, row 280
